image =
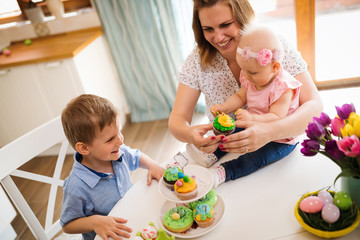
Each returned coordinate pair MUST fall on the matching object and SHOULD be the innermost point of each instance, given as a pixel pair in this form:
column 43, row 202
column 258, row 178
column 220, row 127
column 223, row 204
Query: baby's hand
column 216, row 109
column 108, row 226
column 243, row 115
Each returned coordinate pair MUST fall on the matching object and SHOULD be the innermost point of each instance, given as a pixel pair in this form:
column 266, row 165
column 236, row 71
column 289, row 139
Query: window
column 336, row 40
column 12, row 10
column 323, row 31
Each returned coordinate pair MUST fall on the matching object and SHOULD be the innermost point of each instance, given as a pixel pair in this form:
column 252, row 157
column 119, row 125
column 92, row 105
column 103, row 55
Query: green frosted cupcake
column 171, row 175
column 223, row 124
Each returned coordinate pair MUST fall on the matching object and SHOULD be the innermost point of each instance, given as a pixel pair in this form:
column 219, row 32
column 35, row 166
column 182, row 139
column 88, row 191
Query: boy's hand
column 154, row 171
column 107, row 226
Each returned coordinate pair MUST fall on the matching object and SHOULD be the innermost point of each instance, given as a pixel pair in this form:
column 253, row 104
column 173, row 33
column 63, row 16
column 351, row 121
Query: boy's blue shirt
column 88, row 193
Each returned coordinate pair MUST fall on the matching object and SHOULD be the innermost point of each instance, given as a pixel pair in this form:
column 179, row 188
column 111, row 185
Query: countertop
column 54, row 47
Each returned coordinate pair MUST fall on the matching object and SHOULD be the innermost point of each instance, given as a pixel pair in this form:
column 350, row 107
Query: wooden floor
column 152, row 138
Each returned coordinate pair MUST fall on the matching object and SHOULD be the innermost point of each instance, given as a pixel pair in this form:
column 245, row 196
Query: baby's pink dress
column 259, row 101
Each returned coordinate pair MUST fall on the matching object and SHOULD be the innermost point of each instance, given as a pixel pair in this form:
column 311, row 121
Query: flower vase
column 352, row 187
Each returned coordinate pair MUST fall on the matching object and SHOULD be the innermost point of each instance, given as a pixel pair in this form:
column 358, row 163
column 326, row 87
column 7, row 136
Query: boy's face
column 106, row 144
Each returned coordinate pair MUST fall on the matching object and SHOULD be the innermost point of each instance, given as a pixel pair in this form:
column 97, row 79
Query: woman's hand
column 255, row 136
column 207, row 144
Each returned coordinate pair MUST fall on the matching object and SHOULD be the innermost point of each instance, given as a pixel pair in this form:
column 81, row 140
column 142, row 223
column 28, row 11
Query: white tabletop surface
column 259, row 206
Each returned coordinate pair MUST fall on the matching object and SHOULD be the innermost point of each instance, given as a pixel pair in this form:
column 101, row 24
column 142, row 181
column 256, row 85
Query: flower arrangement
column 337, row 139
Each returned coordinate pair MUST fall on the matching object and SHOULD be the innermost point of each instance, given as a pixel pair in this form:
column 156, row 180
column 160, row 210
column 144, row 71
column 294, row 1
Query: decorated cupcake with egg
column 178, row 219
column 171, row 175
column 210, row 199
column 204, row 215
column 223, row 124
column 185, row 187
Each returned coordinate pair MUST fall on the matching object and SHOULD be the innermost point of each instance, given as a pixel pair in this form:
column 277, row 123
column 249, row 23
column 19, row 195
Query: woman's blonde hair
column 242, row 11
column 84, row 115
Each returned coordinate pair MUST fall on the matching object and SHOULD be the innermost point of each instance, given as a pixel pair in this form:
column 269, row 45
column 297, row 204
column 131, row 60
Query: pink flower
column 350, row 146
column 336, row 125
column 264, row 57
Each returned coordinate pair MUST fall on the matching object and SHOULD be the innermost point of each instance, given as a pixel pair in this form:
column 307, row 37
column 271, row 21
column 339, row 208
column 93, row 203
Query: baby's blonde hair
column 258, row 37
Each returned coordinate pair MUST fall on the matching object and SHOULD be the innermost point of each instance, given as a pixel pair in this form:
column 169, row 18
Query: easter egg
column 180, row 175
column 311, row 204
column 149, row 232
column 330, row 213
column 6, row 52
column 178, row 183
column 27, row 42
column 342, row 200
column 175, row 216
column 325, row 197
column 186, row 178
column 181, row 212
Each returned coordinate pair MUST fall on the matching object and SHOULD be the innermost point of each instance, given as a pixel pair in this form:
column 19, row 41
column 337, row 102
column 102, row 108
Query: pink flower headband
column 263, row 57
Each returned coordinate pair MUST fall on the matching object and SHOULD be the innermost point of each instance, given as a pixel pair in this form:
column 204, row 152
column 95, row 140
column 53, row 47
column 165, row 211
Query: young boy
column 101, row 172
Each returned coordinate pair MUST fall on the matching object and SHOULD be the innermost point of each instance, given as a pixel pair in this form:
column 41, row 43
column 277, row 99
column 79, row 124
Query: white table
column 259, row 206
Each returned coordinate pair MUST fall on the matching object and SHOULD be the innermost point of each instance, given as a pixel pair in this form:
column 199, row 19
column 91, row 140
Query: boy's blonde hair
column 84, row 115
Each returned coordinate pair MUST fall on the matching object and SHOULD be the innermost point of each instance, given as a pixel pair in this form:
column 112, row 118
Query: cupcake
column 171, row 175
column 178, row 219
column 210, row 199
column 223, row 124
column 204, row 215
column 186, row 188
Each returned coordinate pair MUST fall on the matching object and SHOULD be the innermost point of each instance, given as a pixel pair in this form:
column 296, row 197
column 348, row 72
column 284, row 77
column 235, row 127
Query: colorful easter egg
column 186, row 178
column 180, row 175
column 342, row 200
column 149, row 232
column 178, row 183
column 175, row 216
column 330, row 213
column 27, row 42
column 325, row 197
column 6, row 52
column 311, row 204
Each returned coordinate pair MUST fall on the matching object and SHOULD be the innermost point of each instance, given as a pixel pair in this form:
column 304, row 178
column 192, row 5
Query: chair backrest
column 22, row 150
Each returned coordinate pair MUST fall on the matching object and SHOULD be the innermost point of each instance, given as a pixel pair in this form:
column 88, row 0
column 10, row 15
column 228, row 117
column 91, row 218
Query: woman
column 212, row 69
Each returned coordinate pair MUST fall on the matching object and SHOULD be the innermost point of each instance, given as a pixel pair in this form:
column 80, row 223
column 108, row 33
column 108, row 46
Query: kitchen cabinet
column 33, row 93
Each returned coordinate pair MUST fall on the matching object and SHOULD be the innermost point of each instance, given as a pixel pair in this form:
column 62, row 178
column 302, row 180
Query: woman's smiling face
column 220, row 28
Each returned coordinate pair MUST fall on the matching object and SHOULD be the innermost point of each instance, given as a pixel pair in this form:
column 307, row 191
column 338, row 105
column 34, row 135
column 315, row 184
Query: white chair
column 20, row 151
